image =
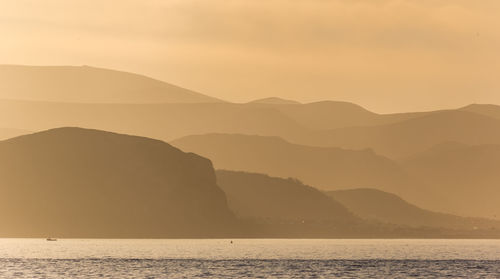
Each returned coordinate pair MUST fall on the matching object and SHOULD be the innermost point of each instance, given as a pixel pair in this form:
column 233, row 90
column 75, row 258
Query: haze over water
column 264, row 258
column 249, row 139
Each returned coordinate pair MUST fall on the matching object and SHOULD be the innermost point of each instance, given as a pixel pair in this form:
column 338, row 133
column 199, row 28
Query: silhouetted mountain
column 326, row 168
column 461, row 179
column 89, row 85
column 327, row 115
column 385, row 207
column 274, row 101
column 415, row 135
column 484, row 109
column 72, row 182
column 271, row 199
column 280, row 207
column 6, row 133
column 160, row 121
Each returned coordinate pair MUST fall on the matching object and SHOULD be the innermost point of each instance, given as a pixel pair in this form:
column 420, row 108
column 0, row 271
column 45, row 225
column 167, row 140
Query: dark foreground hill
column 73, row 182
column 385, row 207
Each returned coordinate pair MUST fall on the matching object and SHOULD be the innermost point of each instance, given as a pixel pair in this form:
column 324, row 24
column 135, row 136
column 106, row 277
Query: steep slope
column 463, row 179
column 89, row 85
column 386, row 207
column 326, row 168
column 415, row 135
column 258, row 196
column 72, row 182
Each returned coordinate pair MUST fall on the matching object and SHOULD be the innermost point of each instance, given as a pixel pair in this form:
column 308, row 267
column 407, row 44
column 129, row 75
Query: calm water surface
column 82, row 258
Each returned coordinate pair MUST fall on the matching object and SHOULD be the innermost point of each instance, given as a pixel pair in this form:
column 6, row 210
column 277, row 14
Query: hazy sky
column 387, row 55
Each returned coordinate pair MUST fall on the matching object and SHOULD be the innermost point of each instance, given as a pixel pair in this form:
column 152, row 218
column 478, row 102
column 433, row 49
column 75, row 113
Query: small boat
column 51, row 239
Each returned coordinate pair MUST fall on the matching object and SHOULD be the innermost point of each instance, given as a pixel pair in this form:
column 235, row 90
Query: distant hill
column 327, row 115
column 326, row 168
column 285, row 207
column 160, row 121
column 271, row 199
column 415, row 135
column 462, row 179
column 274, row 101
column 484, row 109
column 6, row 133
column 89, row 85
column 73, row 182
column 377, row 205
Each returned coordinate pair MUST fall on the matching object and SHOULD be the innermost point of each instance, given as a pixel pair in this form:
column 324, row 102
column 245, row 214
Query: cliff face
column 324, row 167
column 73, row 182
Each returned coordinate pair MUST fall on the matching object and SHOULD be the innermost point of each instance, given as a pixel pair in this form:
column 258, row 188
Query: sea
column 249, row 258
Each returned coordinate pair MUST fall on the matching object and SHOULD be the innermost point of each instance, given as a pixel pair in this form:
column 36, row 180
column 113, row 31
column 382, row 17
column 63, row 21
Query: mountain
column 327, row 115
column 274, row 101
column 402, row 139
column 6, row 133
column 484, row 109
column 326, row 168
column 89, row 85
column 261, row 197
column 286, row 208
column 463, row 179
column 386, row 207
column 73, row 182
column 160, row 121
column 280, row 207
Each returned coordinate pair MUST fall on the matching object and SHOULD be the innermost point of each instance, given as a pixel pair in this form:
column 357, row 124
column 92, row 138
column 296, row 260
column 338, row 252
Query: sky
column 386, row 55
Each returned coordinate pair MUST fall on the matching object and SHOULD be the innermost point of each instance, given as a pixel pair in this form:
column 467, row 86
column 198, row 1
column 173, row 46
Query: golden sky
column 387, row 55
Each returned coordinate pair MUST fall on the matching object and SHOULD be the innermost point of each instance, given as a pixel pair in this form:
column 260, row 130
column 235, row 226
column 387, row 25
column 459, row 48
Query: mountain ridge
column 84, row 84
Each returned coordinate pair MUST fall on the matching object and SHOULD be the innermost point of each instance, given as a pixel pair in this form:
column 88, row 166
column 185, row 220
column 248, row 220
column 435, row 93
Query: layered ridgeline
column 160, row 121
column 39, row 98
column 451, row 178
column 328, row 115
column 285, row 207
column 372, row 204
column 325, row 124
column 327, row 168
column 89, row 85
column 405, row 138
column 73, row 182
column 463, row 178
column 404, row 135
